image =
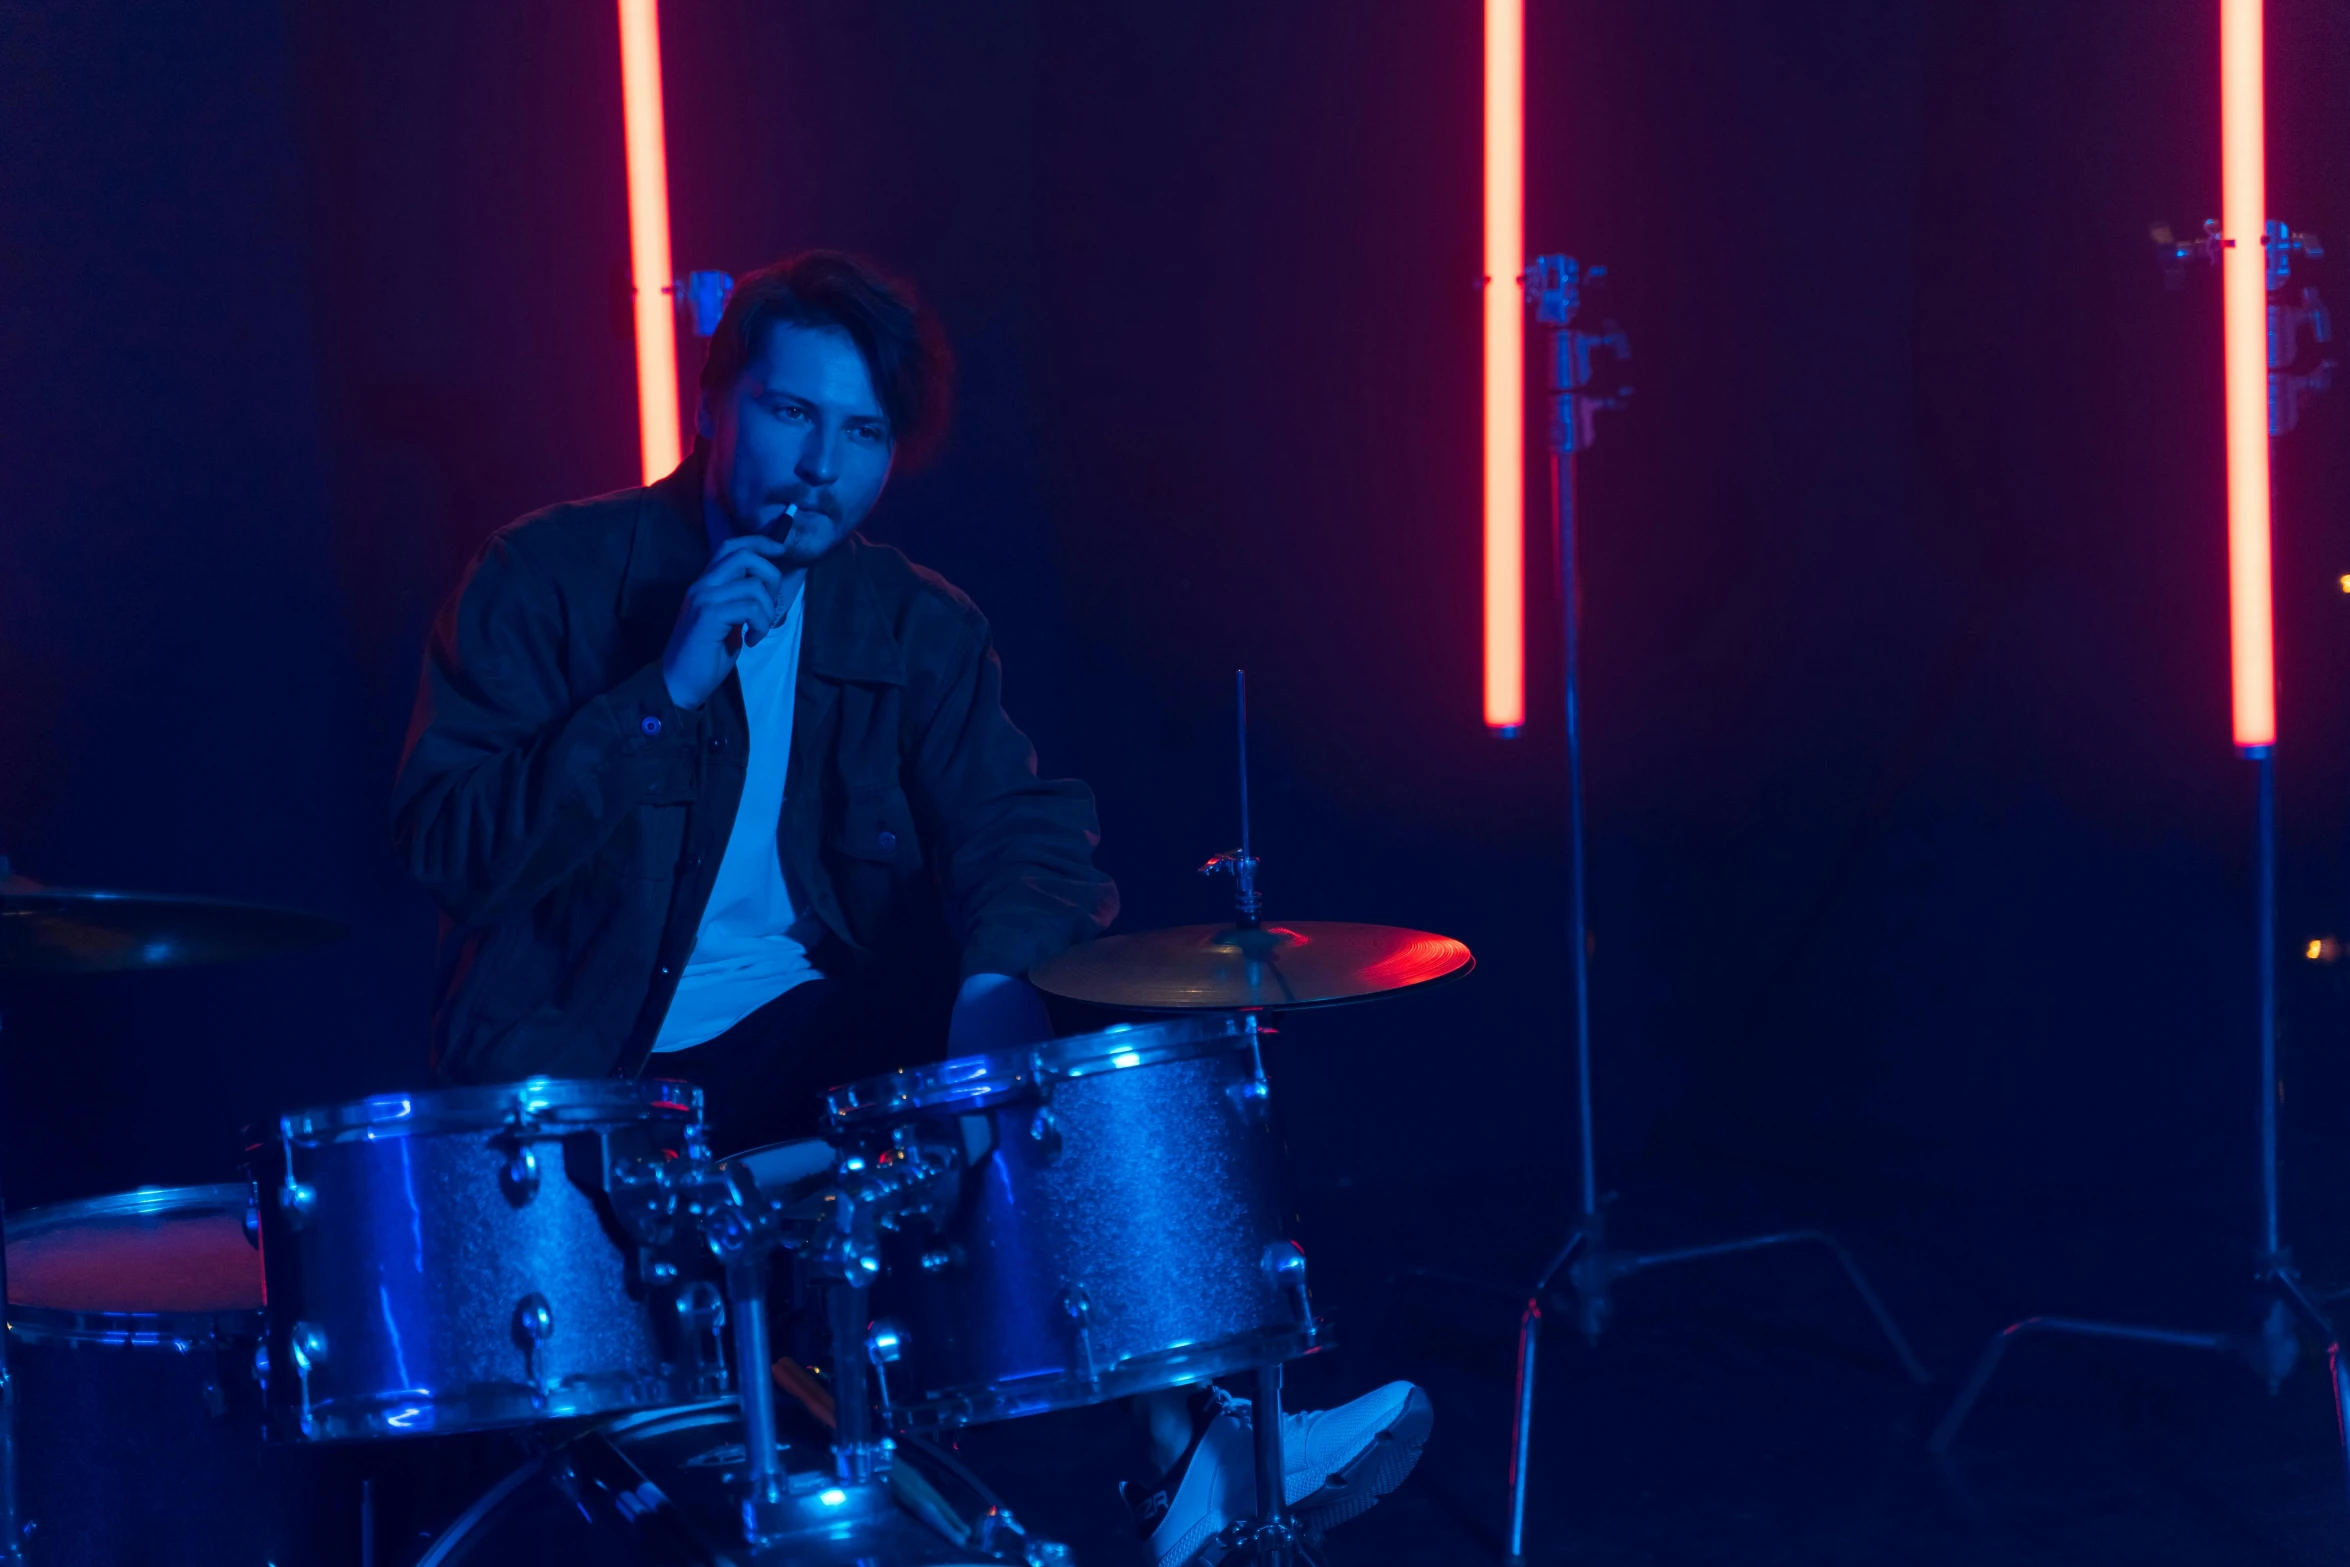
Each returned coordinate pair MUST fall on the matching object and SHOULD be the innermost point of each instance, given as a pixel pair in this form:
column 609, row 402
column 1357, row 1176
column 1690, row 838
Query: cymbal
column 59, row 930
column 1223, row 968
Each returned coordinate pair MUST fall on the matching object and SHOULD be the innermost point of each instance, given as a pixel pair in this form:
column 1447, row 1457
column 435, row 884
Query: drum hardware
column 1269, row 1539
column 521, row 1175
column 884, row 1345
column 838, row 1250
column 1079, row 1307
column 1241, row 863
column 307, row 1340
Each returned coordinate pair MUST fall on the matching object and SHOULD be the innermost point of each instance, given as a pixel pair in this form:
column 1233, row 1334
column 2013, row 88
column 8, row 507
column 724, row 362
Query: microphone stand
column 1554, row 286
column 2272, row 1348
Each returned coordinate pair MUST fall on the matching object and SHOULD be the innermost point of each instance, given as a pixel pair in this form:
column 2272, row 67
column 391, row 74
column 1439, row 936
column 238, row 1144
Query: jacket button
column 886, row 842
column 652, row 725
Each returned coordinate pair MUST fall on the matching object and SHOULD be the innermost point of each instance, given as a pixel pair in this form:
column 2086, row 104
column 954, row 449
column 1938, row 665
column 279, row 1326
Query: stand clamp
column 1554, row 287
column 2289, row 390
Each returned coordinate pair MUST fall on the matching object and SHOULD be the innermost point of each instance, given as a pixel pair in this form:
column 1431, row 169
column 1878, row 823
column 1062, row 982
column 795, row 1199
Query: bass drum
column 132, row 1324
column 655, row 1490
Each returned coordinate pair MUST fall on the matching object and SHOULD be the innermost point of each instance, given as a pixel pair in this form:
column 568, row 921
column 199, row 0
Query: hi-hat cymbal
column 1223, row 968
column 58, row 930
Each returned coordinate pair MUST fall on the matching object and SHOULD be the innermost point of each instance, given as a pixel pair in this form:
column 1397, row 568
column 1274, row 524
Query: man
column 708, row 785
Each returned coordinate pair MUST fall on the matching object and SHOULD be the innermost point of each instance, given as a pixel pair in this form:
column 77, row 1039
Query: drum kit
column 1082, row 1220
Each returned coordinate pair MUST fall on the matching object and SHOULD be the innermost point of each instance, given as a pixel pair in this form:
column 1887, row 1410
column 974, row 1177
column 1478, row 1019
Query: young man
column 709, row 786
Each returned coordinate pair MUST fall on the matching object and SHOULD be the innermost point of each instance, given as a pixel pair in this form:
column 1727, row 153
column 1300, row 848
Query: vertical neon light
column 1505, row 372
column 2243, row 286
column 658, row 426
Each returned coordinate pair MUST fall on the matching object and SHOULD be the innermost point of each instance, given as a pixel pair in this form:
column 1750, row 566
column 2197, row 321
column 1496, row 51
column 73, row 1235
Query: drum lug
column 520, row 1177
column 884, row 1345
column 940, row 1258
column 1044, row 1133
column 1079, row 1306
column 297, row 1202
column 1252, row 1098
column 1284, row 1263
column 701, row 1317
column 308, row 1342
column 534, row 1324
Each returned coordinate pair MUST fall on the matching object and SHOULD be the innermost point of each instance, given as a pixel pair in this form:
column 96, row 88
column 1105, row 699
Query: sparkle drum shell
column 132, row 1321
column 1119, row 1225
column 451, row 1261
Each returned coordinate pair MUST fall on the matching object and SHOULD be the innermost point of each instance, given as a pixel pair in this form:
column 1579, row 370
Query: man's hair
column 903, row 348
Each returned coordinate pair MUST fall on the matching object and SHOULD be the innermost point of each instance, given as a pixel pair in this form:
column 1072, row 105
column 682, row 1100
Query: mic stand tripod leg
column 2287, row 1282
column 1522, row 1434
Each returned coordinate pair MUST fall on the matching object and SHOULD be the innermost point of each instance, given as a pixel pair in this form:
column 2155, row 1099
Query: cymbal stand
column 2271, row 1349
column 1270, row 1538
column 1248, row 905
column 1554, row 287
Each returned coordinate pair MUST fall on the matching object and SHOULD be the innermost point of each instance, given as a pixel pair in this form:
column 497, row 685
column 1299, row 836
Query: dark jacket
column 569, row 818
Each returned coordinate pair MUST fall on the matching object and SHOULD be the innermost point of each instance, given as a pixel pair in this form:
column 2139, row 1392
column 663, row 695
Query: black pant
column 763, row 1080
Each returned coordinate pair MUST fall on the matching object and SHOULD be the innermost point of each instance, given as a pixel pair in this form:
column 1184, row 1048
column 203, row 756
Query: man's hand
column 996, row 1012
column 742, row 588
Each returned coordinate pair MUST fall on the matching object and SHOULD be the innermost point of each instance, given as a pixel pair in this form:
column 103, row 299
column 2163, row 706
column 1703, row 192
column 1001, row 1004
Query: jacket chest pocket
column 647, row 844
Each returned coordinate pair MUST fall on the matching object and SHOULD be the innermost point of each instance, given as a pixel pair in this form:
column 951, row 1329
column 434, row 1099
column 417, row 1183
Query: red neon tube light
column 2243, row 288
column 1505, row 360
column 659, row 430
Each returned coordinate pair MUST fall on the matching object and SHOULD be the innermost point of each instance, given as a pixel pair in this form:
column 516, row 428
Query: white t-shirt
column 752, row 946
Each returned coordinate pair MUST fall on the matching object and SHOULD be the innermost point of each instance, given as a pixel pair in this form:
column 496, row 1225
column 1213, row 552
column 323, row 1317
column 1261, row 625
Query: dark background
column 1920, row 856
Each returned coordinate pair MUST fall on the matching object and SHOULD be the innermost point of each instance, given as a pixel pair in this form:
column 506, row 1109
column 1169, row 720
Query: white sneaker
column 1210, row 1487
column 1337, row 1463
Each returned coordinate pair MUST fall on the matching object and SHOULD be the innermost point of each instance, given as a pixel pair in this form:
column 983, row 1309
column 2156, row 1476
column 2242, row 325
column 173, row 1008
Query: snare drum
column 452, row 1261
column 1119, row 1225
column 132, row 1322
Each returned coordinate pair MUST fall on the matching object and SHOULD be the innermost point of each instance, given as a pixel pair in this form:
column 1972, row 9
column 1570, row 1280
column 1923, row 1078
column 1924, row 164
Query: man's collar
column 845, row 634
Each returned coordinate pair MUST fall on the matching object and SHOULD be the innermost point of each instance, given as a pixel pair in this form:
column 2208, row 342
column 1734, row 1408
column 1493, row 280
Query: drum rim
column 138, row 1202
column 970, row 1082
column 544, row 1102
column 30, row 1322
column 228, row 1329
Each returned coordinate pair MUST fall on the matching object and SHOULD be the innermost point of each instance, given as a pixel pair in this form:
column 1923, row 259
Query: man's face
column 799, row 426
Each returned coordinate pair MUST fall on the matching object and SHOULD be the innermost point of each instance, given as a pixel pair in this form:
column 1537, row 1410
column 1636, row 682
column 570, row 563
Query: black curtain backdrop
column 1919, row 851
